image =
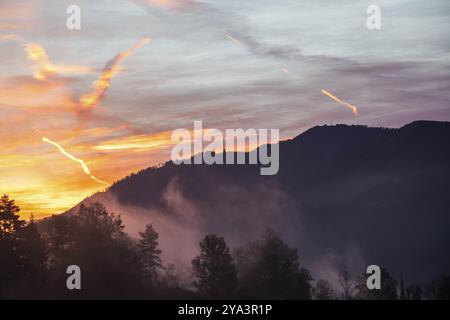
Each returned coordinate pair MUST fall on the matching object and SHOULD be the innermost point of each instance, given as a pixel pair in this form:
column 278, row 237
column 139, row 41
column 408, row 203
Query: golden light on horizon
column 41, row 183
column 41, row 188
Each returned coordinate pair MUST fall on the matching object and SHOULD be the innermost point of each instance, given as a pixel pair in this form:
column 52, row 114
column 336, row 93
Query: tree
column 270, row 269
column 10, row 222
column 33, row 248
column 414, row 292
column 11, row 262
column 214, row 269
column 58, row 232
column 149, row 254
column 171, row 288
column 347, row 284
column 33, row 260
column 439, row 289
column 96, row 243
column 95, row 221
column 22, row 253
column 403, row 295
column 443, row 289
column 323, row 290
column 388, row 289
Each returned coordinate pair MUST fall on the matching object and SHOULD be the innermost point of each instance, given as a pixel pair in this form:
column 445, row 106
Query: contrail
column 240, row 43
column 71, row 157
column 233, row 39
column 112, row 68
column 348, row 105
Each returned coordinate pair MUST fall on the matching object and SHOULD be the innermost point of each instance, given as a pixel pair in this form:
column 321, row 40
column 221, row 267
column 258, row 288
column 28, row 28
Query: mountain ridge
column 347, row 193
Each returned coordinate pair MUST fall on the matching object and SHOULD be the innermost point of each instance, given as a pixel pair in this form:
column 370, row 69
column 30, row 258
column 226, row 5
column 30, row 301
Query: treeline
column 34, row 257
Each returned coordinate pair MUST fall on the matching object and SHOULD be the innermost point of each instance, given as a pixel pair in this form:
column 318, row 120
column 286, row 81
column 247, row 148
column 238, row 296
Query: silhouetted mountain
column 343, row 195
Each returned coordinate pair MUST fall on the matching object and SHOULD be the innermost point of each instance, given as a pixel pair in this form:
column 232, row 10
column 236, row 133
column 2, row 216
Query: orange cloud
column 42, row 183
column 137, row 142
column 6, row 37
column 44, row 68
column 112, row 68
column 26, row 93
column 15, row 15
column 13, row 10
column 168, row 4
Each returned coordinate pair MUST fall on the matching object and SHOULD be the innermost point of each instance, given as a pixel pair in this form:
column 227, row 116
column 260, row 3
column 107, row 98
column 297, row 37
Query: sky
column 80, row 109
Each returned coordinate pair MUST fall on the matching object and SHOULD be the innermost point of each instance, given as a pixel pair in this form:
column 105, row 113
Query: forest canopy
column 34, row 256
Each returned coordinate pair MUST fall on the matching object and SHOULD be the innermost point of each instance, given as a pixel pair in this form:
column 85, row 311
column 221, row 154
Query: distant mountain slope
column 344, row 195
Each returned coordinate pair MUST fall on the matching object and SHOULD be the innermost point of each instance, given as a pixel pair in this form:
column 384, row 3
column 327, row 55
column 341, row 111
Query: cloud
column 6, row 37
column 168, row 4
column 195, row 72
column 13, row 14
column 44, row 67
column 140, row 142
column 112, row 68
column 183, row 221
column 23, row 92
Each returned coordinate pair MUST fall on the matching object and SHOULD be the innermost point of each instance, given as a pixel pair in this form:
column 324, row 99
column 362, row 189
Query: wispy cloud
column 140, row 142
column 168, row 4
column 6, row 37
column 112, row 68
column 45, row 68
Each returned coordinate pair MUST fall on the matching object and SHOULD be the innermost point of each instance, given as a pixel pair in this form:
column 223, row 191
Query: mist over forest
column 345, row 197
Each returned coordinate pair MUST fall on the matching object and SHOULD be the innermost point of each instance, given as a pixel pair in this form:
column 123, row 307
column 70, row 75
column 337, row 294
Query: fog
column 243, row 219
